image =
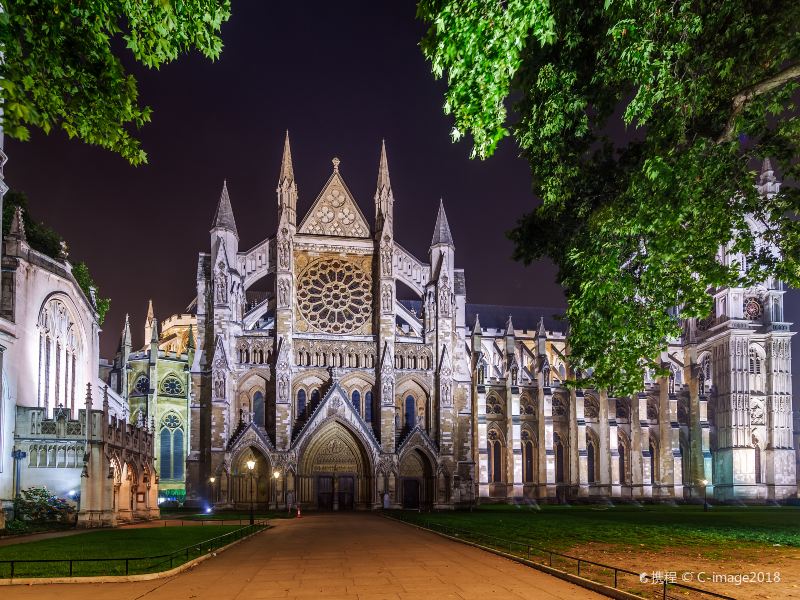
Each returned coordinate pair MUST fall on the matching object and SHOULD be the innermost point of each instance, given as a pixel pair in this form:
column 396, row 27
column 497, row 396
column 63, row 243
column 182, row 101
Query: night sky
column 340, row 77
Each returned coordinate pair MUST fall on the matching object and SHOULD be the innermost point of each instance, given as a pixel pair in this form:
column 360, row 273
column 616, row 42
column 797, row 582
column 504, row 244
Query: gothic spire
column 476, row 329
column 154, row 334
column 542, row 331
column 224, row 217
column 509, row 326
column 149, row 319
column 441, row 233
column 190, row 340
column 287, row 170
column 126, row 332
column 383, row 171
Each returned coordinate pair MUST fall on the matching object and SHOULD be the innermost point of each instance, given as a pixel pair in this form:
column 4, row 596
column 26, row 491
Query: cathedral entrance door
column 346, row 490
column 410, row 493
column 325, row 492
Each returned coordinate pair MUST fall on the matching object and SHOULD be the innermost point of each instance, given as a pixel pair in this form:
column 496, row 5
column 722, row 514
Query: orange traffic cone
column 299, row 516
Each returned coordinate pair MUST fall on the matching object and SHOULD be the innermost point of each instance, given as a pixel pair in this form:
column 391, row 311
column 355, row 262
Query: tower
column 384, row 296
column 440, row 309
column 284, row 294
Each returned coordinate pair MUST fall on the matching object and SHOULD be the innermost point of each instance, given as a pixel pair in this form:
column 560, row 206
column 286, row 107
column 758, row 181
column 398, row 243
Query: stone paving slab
column 353, row 556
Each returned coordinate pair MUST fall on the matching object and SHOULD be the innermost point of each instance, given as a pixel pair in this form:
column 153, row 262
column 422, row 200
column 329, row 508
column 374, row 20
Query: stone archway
column 416, row 480
column 335, row 472
column 256, row 486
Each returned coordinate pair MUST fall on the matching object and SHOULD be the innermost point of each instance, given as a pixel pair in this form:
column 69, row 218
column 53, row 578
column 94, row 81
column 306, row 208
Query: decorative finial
column 335, row 162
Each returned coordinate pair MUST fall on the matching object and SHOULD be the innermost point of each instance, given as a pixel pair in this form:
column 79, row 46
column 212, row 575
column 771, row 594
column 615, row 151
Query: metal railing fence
column 130, row 565
column 635, row 582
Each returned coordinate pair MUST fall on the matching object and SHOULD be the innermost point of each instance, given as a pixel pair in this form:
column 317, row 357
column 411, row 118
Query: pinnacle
column 224, row 217
column 441, row 233
column 287, row 169
column 383, row 170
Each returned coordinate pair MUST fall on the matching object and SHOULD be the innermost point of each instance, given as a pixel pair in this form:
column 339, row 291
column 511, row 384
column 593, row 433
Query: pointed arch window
column 355, row 397
column 172, row 454
column 410, row 412
column 314, row 397
column 758, row 464
column 528, row 458
column 495, row 458
column 559, row 448
column 368, row 407
column 172, row 386
column 653, row 464
column 590, row 460
column 622, row 473
column 301, row 404
column 259, row 411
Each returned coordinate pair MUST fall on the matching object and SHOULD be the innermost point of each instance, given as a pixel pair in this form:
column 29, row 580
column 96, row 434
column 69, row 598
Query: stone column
column 604, row 450
column 514, row 444
column 613, row 441
column 577, row 429
column 546, row 450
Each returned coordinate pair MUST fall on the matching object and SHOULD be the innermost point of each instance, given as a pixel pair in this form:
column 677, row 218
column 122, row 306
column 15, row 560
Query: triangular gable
column 335, row 405
column 335, row 212
column 220, row 356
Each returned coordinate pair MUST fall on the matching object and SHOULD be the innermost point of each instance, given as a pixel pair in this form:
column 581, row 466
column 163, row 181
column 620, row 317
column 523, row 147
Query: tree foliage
column 39, row 236
column 61, row 70
column 643, row 123
column 84, row 278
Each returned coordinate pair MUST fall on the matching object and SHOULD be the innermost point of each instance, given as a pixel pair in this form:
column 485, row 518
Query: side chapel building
column 346, row 397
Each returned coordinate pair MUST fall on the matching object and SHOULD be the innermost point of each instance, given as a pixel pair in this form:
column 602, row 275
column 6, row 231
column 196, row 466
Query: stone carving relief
column 221, row 284
column 284, row 249
column 335, row 213
column 756, row 412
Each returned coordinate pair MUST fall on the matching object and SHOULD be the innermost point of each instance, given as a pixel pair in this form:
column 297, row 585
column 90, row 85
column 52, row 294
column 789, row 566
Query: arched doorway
column 416, row 480
column 248, row 486
column 335, row 471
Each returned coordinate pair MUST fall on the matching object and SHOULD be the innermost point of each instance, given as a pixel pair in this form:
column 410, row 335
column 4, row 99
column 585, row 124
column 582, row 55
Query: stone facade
column 155, row 385
column 343, row 396
column 49, row 336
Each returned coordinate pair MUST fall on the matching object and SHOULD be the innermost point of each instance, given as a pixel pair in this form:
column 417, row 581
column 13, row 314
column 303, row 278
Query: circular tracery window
column 334, row 295
column 752, row 308
column 172, row 386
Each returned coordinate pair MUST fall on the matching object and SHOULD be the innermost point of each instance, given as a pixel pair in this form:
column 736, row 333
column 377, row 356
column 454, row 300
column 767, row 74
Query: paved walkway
column 354, row 556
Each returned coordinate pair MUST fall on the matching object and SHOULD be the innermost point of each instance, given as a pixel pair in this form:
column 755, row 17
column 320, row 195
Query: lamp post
column 251, row 464
column 276, row 475
column 211, row 480
column 705, row 494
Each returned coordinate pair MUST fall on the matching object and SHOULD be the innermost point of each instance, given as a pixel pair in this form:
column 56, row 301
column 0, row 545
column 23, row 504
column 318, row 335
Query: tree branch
column 762, row 87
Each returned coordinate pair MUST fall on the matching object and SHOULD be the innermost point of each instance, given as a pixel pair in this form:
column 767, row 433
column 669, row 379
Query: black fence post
column 579, row 567
column 126, row 566
column 70, row 567
column 615, row 578
column 12, row 569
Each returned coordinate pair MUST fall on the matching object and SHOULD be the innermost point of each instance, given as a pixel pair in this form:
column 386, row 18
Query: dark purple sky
column 339, row 76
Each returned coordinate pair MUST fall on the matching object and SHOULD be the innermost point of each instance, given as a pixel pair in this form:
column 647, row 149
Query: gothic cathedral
column 327, row 390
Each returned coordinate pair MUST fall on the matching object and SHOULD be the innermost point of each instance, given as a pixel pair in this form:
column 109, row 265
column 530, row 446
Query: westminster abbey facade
column 313, row 384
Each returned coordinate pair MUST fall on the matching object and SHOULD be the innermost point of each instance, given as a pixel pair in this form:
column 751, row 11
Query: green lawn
column 111, row 545
column 656, row 526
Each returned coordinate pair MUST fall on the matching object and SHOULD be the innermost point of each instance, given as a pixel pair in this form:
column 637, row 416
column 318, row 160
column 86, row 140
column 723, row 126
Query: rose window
column 334, row 295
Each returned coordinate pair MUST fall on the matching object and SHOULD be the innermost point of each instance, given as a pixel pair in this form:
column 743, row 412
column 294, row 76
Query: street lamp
column 211, row 480
column 705, row 494
column 276, row 474
column 251, row 464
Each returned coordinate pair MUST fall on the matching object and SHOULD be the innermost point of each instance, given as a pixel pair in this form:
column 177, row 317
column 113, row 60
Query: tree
column 84, row 278
column 60, row 68
column 642, row 122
